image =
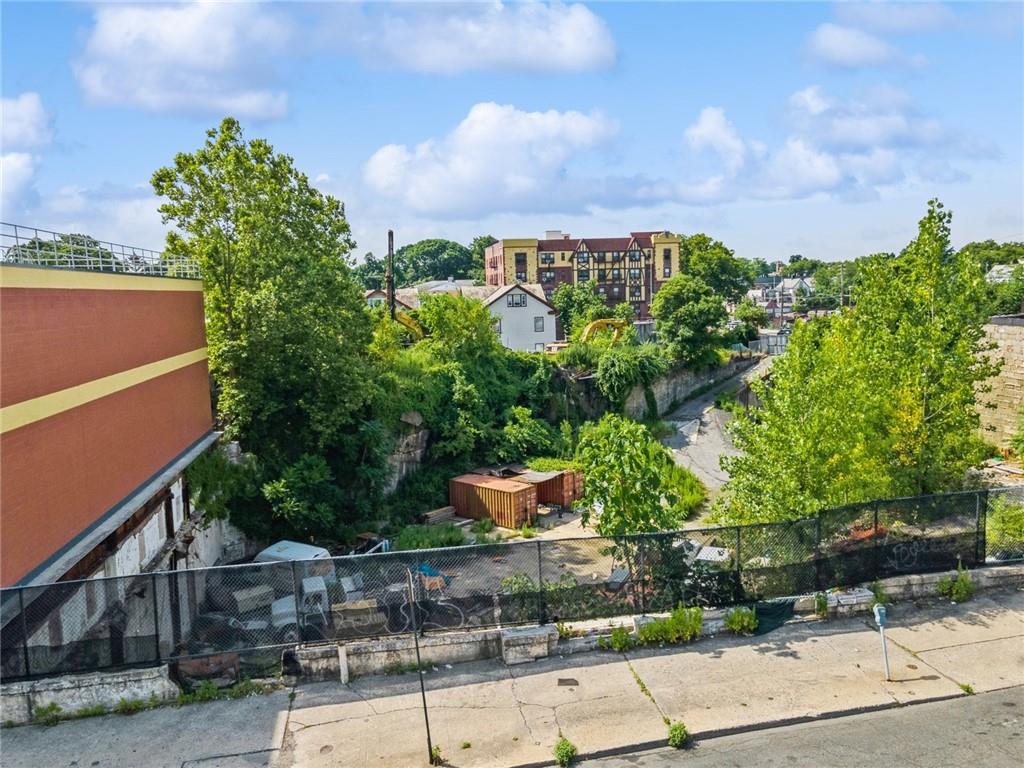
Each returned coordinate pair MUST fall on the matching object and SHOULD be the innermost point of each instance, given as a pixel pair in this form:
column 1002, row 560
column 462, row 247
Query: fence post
column 874, row 537
column 156, row 619
column 643, row 578
column 739, row 530
column 24, row 629
column 297, row 585
column 541, row 607
column 817, row 552
column 980, row 521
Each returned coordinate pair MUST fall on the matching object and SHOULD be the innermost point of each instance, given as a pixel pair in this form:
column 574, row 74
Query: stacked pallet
column 442, row 515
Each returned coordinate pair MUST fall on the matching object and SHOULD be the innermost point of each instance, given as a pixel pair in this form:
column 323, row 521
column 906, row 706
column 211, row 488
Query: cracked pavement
column 510, row 716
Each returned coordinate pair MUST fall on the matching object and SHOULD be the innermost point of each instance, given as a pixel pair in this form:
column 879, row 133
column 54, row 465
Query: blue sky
column 780, row 128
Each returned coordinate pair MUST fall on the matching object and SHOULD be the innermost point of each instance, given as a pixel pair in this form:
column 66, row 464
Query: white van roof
column 285, row 551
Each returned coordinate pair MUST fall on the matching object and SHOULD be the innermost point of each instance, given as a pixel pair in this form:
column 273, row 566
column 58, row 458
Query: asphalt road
column 986, row 731
column 700, row 438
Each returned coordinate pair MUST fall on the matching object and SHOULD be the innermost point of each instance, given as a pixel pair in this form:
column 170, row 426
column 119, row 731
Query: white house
column 526, row 321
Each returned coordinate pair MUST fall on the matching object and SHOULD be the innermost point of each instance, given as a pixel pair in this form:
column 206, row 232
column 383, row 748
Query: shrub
column 48, row 714
column 483, row 525
column 205, row 691
column 681, row 626
column 551, row 464
column 565, row 751
column 620, row 640
column 435, row 755
column 677, row 735
column 957, row 589
column 429, row 537
column 881, row 596
column 1004, row 527
column 821, row 604
column 741, row 620
column 527, row 531
column 683, row 490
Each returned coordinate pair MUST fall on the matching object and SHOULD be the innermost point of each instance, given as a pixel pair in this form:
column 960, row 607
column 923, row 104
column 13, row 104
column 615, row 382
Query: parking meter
column 880, row 621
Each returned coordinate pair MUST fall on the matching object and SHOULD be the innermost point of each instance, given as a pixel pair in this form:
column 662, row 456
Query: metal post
column 419, row 667
column 643, row 579
column 156, row 619
column 817, row 552
column 297, row 584
column 24, row 629
column 542, row 608
column 880, row 619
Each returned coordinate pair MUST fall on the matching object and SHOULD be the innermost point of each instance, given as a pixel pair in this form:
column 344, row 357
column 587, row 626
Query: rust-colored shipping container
column 509, row 503
column 562, row 487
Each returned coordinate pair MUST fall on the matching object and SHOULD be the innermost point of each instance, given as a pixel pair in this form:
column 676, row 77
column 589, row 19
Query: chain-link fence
column 241, row 617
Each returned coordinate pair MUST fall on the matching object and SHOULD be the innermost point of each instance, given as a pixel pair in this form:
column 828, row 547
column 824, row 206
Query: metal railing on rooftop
column 44, row 248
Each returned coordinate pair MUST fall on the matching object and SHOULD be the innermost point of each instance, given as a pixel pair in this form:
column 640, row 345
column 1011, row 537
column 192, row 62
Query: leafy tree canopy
column 717, row 266
column 286, row 325
column 689, row 315
column 879, row 401
column 989, row 252
column 801, row 267
column 577, row 305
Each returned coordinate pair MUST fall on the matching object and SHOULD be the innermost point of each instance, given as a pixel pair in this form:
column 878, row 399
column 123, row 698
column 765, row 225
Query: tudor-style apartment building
column 629, row 268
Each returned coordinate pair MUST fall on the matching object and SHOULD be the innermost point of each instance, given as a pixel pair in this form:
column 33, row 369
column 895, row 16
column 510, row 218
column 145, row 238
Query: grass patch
column 958, row 589
column 565, row 752
column 48, row 714
column 429, row 537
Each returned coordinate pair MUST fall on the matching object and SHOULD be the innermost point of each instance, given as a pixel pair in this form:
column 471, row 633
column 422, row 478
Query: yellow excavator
column 596, row 326
column 410, row 325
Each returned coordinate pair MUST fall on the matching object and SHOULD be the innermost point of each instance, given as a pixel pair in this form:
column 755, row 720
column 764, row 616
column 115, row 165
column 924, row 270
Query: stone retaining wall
column 999, row 423
column 680, row 383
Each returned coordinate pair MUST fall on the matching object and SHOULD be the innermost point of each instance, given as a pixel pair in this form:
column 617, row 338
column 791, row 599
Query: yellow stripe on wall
column 42, row 277
column 38, row 408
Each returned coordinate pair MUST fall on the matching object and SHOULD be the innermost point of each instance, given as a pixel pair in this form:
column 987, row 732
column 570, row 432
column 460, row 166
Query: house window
column 599, row 256
column 634, row 255
column 635, row 291
column 497, row 326
column 538, row 325
column 634, row 274
column 617, row 256
column 602, row 274
column 547, row 276
column 547, row 258
column 583, row 275
column 602, row 291
column 582, row 257
column 516, row 300
column 616, row 274
column 666, row 256
column 616, row 291
column 538, row 346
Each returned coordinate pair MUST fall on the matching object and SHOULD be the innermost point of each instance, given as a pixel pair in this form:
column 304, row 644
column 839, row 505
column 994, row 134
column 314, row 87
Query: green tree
column 478, row 247
column 1007, row 298
column 625, row 467
column 752, row 316
column 689, row 315
column 577, row 305
column 371, row 272
column 286, row 324
column 73, row 251
column 879, row 401
column 717, row 266
column 622, row 367
column 524, row 436
column 989, row 253
column 801, row 267
column 432, row 260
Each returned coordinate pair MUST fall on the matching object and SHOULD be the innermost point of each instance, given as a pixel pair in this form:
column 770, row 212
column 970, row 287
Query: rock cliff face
column 409, row 450
column 999, row 423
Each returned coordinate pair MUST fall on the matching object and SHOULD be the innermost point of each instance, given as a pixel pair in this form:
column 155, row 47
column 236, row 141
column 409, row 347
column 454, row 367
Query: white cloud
column 849, row 47
column 446, row 39
column 798, row 169
column 16, row 172
column 25, row 123
column 498, row 158
column 712, row 131
column 204, row 57
column 895, row 17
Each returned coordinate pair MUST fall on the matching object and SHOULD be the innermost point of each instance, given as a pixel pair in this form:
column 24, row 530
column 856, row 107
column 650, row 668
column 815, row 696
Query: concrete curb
column 646, row 746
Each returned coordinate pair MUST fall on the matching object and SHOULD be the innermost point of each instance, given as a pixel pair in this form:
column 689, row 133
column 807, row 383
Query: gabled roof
column 531, row 288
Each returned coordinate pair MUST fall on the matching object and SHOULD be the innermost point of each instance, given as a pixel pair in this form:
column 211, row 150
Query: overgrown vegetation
column 429, row 537
column 881, row 597
column 565, row 751
column 741, row 621
column 958, row 588
column 1004, row 526
column 682, row 625
column 678, row 735
column 876, row 402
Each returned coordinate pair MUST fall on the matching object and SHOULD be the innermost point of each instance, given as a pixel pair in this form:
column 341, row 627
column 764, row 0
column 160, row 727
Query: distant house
column 525, row 320
column 1001, row 273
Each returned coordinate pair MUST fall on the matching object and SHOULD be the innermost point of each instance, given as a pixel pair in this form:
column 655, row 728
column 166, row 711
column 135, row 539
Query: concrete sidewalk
column 512, row 715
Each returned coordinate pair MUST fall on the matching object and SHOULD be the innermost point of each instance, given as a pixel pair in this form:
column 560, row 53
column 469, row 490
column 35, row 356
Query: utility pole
column 389, row 274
